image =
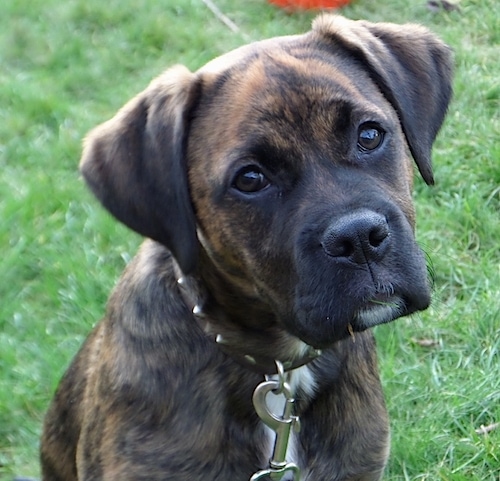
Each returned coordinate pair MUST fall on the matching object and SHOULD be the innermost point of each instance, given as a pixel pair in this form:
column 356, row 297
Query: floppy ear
column 135, row 164
column 413, row 70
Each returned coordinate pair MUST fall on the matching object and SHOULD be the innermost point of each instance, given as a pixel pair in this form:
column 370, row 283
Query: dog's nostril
column 378, row 234
column 346, row 249
column 359, row 237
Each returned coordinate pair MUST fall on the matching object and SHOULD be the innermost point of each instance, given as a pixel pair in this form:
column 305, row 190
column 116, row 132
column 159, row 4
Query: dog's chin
column 379, row 313
column 321, row 335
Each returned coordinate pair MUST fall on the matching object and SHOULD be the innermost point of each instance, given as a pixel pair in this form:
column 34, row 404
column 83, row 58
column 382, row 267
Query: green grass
column 66, row 66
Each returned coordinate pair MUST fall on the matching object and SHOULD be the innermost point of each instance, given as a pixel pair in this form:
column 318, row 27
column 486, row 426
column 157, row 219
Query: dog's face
column 310, row 180
column 283, row 170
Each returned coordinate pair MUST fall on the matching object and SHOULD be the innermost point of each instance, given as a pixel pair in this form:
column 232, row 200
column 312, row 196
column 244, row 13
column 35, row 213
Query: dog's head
column 282, row 172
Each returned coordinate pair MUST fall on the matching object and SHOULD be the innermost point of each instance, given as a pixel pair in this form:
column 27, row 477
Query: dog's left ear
column 412, row 68
column 135, row 164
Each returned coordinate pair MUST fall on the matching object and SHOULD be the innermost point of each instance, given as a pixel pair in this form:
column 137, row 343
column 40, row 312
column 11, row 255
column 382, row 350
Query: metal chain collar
column 229, row 336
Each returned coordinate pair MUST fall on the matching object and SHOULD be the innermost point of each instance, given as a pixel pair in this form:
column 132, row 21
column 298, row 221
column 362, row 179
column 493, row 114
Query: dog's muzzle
column 362, row 269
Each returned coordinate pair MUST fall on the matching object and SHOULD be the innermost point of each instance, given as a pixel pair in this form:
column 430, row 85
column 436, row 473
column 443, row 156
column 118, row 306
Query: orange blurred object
column 309, row 4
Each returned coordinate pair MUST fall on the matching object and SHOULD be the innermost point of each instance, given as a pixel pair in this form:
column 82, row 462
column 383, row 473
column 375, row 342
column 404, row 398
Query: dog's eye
column 250, row 179
column 369, row 137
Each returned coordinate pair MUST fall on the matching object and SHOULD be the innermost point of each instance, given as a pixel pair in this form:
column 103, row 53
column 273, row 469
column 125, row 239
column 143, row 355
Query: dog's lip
column 380, row 309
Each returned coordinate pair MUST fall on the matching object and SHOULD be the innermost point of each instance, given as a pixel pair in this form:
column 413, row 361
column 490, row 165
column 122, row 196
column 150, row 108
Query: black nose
column 360, row 237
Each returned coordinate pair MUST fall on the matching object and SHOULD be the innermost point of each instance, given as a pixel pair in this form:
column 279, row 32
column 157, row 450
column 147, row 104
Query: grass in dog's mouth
column 388, row 303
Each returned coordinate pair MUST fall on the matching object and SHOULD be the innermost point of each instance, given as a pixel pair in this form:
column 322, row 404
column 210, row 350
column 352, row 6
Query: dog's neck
column 257, row 346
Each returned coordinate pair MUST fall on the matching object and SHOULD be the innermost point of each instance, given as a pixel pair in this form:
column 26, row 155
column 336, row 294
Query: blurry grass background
column 67, row 65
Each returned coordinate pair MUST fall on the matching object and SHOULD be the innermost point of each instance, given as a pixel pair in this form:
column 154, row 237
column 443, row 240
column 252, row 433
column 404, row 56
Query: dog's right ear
column 135, row 164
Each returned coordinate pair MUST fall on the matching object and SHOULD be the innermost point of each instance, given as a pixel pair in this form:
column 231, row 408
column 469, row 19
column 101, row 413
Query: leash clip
column 280, row 424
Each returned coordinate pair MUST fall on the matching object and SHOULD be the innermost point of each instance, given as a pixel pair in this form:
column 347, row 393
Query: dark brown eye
column 369, row 137
column 250, row 180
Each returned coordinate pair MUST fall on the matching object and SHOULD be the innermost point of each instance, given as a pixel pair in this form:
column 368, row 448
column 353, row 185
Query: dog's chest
column 303, row 384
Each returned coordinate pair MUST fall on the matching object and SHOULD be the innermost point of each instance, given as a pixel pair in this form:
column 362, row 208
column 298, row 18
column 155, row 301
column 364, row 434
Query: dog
column 273, row 186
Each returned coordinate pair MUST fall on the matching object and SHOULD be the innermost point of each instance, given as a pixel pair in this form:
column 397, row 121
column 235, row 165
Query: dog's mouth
column 379, row 310
column 322, row 329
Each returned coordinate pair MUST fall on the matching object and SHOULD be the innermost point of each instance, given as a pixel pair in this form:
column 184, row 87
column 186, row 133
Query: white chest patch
column 301, row 379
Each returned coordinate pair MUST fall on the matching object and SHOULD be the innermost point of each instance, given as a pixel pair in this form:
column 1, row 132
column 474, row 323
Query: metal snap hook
column 280, row 424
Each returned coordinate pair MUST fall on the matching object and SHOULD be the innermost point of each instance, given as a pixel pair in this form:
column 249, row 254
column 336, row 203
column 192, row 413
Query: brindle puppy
column 275, row 184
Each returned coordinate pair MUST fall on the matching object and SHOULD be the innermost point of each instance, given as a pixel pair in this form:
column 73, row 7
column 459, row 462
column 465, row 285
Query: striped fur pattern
column 276, row 182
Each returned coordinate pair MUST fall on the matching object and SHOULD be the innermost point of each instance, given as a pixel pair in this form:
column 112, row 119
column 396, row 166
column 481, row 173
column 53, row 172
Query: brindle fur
column 151, row 396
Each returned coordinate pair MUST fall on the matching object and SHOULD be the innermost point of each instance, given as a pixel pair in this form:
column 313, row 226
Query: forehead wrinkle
column 289, row 101
column 319, row 75
column 279, row 102
column 301, row 87
column 273, row 74
column 303, row 98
